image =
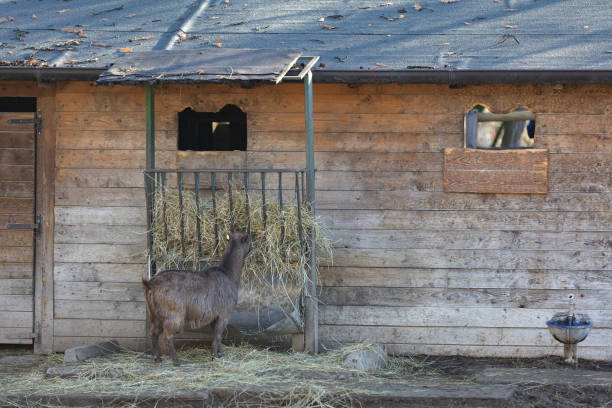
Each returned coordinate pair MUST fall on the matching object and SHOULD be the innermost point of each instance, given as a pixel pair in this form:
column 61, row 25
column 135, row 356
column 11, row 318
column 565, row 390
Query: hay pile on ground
column 279, row 379
column 276, row 268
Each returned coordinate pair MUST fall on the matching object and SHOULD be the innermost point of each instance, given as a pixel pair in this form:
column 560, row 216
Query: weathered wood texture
column 514, row 171
column 412, row 262
column 16, row 246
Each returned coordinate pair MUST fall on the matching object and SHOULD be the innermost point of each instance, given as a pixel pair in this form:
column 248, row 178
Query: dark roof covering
column 205, row 65
column 349, row 35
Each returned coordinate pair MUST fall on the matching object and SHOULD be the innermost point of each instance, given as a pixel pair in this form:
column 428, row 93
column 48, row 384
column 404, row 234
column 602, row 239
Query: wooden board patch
column 523, row 171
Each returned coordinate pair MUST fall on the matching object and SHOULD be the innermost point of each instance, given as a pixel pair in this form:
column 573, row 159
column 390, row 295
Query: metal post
column 311, row 312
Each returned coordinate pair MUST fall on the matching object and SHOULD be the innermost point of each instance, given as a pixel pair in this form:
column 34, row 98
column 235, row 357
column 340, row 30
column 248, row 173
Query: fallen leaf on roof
column 219, row 43
column 369, row 25
column 321, row 20
column 183, row 36
column 336, row 16
column 329, row 27
column 513, row 26
column 34, row 16
column 449, row 1
column 380, row 64
column 585, row 27
column 402, row 10
column 226, row 1
column 389, row 3
column 78, row 31
column 417, row 6
column 496, row 1
column 445, row 43
column 215, row 17
column 609, row 51
column 146, row 37
column 99, row 44
column 67, row 43
column 3, row 20
column 126, row 49
column 201, row 72
column 467, row 24
column 511, row 9
column 374, row 68
column 62, row 11
column 130, row 15
column 11, row 18
column 75, row 61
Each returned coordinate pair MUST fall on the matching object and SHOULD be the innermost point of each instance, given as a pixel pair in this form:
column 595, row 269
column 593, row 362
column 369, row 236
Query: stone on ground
column 81, row 353
column 374, row 358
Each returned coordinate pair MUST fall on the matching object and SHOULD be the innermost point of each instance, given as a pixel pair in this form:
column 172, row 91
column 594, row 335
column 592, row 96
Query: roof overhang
column 217, row 65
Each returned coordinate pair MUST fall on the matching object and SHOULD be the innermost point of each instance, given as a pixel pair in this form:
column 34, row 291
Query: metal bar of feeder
column 299, row 210
column 148, row 199
column 231, row 201
column 214, row 204
column 303, row 191
column 263, row 198
column 280, row 206
column 164, row 182
column 180, row 188
column 221, row 170
column 197, row 203
column 246, row 195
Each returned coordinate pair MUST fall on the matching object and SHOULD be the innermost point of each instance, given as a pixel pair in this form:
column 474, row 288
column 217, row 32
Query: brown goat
column 179, row 299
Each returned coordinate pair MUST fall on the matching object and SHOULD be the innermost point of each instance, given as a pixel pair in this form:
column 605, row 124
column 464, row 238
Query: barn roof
column 356, row 37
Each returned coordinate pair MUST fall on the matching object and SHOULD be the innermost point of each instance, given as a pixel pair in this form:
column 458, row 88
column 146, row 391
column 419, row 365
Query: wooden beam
column 506, row 117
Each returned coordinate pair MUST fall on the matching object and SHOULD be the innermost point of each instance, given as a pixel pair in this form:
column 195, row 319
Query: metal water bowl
column 569, row 329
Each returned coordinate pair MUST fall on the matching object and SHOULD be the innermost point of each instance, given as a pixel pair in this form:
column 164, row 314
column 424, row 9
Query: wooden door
column 17, row 217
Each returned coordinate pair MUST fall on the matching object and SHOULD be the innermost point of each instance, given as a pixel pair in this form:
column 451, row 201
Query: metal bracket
column 35, row 227
column 309, row 63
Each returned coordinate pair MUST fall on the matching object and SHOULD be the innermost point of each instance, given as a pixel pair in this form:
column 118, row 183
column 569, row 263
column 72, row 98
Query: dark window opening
column 10, row 104
column 224, row 130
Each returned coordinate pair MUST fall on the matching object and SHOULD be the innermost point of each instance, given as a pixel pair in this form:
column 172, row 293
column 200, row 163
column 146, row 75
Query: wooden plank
column 16, row 271
column 101, row 159
column 78, row 309
column 60, row 344
column 16, row 303
column 479, row 159
column 466, row 297
column 45, row 193
column 379, row 141
column 458, row 336
column 580, row 182
column 597, row 163
column 134, row 121
column 16, row 156
column 470, row 239
column 458, row 220
column 378, row 180
column 413, row 200
column 13, row 238
column 466, row 278
column 573, row 124
column 448, row 316
column 585, row 143
column 100, row 216
column 99, row 272
column 473, row 258
column 91, row 327
column 10, row 205
column 15, row 335
column 85, row 139
column 100, row 234
column 120, row 197
column 498, row 182
column 16, row 319
column 591, row 353
column 16, row 254
column 122, row 291
column 114, row 253
column 16, row 139
column 14, row 219
column 16, row 189
column 17, row 172
column 96, row 101
column 16, row 286
column 99, row 178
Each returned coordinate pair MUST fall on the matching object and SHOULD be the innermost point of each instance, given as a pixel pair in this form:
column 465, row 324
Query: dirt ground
column 328, row 384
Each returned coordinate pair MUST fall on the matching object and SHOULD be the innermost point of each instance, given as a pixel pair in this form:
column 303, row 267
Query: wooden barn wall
column 415, row 268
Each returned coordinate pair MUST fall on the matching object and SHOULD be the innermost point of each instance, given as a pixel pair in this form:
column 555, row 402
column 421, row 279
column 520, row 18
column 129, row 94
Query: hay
column 276, row 379
column 275, row 269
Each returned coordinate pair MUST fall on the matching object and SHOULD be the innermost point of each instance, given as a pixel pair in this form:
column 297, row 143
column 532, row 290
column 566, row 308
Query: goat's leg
column 155, row 332
column 219, row 327
column 169, row 336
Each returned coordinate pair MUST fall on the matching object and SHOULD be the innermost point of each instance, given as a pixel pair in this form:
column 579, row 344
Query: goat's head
column 241, row 242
